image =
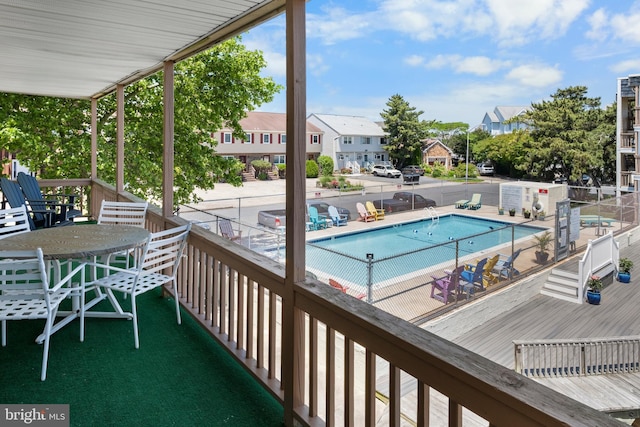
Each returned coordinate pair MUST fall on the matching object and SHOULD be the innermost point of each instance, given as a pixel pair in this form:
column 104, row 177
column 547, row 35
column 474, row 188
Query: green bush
column 282, row 167
column 312, row 169
column 326, row 165
column 261, row 166
column 438, row 170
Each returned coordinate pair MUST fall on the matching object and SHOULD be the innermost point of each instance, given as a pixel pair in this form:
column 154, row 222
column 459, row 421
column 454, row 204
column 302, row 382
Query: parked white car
column 386, row 170
column 485, row 169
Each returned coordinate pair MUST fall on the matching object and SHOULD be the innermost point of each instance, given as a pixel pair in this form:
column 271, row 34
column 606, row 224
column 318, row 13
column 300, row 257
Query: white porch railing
column 582, row 357
column 601, row 256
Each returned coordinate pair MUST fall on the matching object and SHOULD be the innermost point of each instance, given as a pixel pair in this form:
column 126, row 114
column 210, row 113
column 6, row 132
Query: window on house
column 227, row 138
column 315, row 139
column 279, row 159
column 383, row 141
column 248, row 138
column 283, row 138
column 366, row 140
column 347, row 140
column 266, row 138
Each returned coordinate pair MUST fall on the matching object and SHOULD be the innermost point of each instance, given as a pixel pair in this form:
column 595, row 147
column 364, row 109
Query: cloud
column 537, row 76
column 625, row 27
column 624, row 67
column 316, row 64
column 519, row 21
column 337, row 24
column 598, row 22
column 414, row 60
column 478, row 65
column 508, row 22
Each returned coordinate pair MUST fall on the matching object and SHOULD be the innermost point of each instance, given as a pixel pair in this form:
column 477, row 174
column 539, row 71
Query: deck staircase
column 562, row 284
column 249, row 174
column 600, row 259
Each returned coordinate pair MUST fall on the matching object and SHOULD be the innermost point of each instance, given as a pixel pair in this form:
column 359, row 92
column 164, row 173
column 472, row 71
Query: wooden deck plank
column 544, row 317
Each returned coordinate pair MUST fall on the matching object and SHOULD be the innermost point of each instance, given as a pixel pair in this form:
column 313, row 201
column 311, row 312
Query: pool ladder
column 432, row 214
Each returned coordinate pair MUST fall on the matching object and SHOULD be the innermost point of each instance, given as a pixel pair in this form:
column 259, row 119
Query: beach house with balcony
column 494, row 121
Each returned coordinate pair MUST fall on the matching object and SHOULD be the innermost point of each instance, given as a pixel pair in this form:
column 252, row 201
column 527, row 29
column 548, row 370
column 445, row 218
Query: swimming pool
column 400, row 251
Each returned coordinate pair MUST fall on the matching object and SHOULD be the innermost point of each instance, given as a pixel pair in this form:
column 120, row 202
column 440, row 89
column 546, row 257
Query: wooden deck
column 547, row 318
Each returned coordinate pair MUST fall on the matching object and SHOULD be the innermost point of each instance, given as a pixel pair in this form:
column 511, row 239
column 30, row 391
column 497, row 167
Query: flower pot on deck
column 624, row 277
column 593, row 297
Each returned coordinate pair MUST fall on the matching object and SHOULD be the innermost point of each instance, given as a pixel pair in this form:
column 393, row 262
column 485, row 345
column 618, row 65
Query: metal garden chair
column 158, row 264
column 14, row 221
column 25, row 293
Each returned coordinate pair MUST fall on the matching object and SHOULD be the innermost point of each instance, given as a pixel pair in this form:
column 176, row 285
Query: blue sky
column 454, row 60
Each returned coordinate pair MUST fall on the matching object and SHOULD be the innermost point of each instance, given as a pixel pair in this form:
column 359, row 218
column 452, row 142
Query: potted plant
column 526, row 213
column 542, row 243
column 500, row 211
column 541, row 215
column 624, row 270
column 512, row 212
column 594, row 286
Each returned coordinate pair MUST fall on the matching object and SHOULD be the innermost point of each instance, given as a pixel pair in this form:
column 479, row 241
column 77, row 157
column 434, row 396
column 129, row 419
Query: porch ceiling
column 83, row 48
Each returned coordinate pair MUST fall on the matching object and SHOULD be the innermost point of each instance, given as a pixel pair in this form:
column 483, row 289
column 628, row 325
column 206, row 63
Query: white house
column 494, row 121
column 351, row 141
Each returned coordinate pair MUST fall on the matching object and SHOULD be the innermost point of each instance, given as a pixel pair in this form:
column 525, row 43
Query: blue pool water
column 401, row 250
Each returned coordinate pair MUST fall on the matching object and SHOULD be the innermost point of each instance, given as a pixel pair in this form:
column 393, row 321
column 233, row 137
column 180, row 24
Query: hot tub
column 272, row 219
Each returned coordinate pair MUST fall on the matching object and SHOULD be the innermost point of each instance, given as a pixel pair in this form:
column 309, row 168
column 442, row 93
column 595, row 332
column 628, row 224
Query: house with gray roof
column 352, row 142
column 494, row 121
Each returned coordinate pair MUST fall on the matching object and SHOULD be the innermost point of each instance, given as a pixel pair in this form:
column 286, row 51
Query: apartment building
column 627, row 128
column 265, row 138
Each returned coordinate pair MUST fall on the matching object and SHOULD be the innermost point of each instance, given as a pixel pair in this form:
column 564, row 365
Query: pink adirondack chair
column 446, row 287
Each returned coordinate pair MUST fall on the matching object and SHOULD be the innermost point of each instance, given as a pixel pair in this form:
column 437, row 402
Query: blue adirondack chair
column 60, row 212
column 473, row 277
column 504, row 267
column 15, row 198
column 318, row 221
column 337, row 219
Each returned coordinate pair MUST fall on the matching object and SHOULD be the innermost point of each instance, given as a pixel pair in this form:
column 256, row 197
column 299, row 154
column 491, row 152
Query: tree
column 326, row 165
column 567, row 136
column 48, row 135
column 505, row 151
column 213, row 89
column 406, row 132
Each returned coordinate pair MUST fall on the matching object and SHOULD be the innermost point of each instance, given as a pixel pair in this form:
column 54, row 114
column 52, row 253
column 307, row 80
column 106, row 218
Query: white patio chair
column 122, row 213
column 14, row 221
column 157, row 265
column 25, row 293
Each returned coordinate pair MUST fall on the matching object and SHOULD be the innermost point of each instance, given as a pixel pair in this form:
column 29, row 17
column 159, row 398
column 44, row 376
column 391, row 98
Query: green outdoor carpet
column 178, row 377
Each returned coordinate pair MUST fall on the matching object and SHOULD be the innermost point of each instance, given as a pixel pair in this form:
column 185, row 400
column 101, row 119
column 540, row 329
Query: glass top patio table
column 78, row 241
